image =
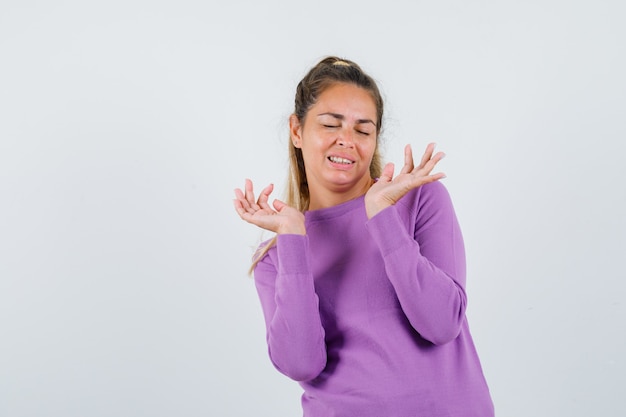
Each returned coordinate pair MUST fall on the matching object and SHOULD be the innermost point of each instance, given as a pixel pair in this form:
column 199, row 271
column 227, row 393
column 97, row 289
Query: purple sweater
column 369, row 315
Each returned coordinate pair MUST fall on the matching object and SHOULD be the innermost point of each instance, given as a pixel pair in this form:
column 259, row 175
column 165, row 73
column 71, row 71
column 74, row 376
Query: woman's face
column 338, row 140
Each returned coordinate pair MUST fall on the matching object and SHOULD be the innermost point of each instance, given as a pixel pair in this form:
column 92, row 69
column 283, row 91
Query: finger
column 387, row 174
column 264, row 196
column 243, row 203
column 250, row 195
column 238, row 207
column 241, row 210
column 408, row 160
column 434, row 161
column 430, row 165
column 250, row 218
column 432, row 178
column 428, row 153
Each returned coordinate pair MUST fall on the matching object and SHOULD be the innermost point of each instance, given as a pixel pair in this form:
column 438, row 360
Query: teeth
column 339, row 160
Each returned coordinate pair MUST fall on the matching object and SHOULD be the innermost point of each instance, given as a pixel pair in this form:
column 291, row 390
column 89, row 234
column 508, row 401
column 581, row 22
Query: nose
column 345, row 138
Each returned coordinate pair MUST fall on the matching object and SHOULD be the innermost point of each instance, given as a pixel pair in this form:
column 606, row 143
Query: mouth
column 339, row 160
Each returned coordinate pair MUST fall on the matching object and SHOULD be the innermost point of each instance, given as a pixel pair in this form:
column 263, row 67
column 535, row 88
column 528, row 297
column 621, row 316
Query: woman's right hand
column 282, row 219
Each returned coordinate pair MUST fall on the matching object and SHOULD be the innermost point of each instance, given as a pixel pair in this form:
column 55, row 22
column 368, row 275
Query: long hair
column 327, row 72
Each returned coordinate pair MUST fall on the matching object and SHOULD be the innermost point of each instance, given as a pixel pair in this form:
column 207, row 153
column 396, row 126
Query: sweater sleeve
column 426, row 266
column 295, row 335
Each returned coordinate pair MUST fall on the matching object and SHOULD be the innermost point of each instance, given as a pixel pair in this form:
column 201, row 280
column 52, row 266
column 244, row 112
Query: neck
column 324, row 198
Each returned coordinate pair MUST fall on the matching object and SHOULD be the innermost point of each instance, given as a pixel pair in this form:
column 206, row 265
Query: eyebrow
column 341, row 117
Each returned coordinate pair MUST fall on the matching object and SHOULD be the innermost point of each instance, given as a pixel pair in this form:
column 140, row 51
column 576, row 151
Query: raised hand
column 281, row 219
column 388, row 190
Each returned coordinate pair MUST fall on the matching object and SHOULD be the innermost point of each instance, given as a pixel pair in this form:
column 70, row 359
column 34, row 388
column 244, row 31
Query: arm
column 283, row 278
column 295, row 335
column 427, row 265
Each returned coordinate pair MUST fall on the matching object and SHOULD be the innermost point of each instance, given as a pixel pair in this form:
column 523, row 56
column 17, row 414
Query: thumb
column 387, row 174
column 279, row 205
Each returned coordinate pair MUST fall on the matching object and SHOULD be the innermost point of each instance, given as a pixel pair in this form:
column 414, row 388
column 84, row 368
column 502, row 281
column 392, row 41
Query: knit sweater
column 369, row 315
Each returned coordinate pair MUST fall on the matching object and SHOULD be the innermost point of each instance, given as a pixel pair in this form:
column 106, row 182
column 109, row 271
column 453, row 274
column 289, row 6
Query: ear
column 295, row 131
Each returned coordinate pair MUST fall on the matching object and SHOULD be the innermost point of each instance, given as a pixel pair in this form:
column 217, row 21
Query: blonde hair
column 327, row 72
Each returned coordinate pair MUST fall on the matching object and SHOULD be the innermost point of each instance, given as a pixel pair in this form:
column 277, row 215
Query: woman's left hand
column 388, row 190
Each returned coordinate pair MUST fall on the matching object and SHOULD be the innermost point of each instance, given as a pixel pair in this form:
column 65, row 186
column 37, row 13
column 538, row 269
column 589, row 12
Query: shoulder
column 286, row 250
column 265, row 253
column 433, row 196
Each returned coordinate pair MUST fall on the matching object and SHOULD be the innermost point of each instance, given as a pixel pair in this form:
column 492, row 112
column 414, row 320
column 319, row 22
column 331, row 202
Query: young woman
column 362, row 288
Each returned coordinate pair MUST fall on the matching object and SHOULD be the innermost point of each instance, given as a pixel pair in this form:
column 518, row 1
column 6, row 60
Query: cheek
column 318, row 139
column 367, row 149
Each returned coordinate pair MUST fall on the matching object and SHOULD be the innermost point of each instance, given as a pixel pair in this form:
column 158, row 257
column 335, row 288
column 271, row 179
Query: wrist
column 294, row 229
column 373, row 209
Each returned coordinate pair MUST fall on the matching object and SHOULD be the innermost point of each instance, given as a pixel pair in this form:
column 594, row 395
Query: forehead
column 347, row 100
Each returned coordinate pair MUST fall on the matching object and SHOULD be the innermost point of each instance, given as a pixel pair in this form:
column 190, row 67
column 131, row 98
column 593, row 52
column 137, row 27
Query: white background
column 125, row 126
